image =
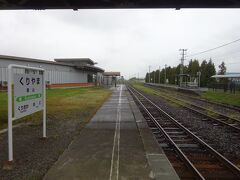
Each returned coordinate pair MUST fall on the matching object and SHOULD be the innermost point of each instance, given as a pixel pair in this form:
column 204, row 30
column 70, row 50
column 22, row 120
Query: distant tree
column 210, row 72
column 168, row 73
column 162, row 75
column 152, row 77
column 147, row 78
column 173, row 75
column 222, row 68
column 133, row 79
column 203, row 69
column 207, row 70
column 193, row 67
column 157, row 76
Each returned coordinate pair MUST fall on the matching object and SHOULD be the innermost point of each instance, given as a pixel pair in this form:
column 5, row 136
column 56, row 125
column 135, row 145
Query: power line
column 214, row 48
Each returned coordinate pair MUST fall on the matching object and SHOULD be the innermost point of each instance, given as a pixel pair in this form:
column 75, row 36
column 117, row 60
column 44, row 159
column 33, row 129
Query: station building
column 73, row 72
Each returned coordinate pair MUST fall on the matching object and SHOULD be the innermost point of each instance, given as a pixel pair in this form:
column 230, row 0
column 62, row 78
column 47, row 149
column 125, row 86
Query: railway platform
column 181, row 89
column 115, row 144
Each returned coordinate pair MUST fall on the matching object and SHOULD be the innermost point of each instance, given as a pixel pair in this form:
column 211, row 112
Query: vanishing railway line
column 195, row 158
column 217, row 117
column 228, row 107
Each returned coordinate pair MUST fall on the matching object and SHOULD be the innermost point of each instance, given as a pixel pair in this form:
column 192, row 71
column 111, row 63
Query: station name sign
column 27, row 91
column 28, row 94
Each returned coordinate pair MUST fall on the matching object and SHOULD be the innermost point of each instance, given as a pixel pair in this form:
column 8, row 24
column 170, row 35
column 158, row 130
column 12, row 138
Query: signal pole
column 183, row 54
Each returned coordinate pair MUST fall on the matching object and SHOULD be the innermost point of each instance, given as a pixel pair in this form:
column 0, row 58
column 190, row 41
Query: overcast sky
column 123, row 40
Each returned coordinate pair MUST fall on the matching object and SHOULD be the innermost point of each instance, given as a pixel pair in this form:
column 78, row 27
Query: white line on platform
column 117, row 138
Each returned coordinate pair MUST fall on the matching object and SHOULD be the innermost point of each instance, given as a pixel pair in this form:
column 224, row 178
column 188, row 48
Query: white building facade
column 59, row 73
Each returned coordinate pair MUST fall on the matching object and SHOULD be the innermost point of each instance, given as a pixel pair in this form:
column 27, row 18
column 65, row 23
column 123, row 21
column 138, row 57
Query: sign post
column 29, row 97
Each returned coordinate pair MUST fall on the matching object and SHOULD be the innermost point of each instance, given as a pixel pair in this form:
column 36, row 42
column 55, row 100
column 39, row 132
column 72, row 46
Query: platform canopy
column 81, row 63
column 226, row 76
column 113, row 4
column 111, row 73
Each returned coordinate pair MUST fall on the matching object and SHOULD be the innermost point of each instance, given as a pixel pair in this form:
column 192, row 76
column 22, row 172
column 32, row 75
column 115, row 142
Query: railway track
column 227, row 106
column 217, row 117
column 190, row 156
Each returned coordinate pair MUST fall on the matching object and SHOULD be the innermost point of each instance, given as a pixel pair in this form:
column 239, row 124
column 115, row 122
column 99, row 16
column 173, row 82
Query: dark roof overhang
column 80, row 60
column 116, row 4
column 90, row 68
column 111, row 73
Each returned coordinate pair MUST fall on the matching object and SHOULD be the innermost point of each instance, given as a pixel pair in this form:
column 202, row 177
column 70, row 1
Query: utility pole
column 149, row 74
column 165, row 73
column 159, row 74
column 183, row 54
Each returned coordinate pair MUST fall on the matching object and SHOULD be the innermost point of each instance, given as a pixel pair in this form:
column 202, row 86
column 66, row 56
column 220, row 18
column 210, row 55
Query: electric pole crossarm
column 183, row 55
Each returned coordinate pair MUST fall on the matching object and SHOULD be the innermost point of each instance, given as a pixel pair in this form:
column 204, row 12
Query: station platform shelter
column 180, row 89
column 111, row 78
column 116, row 144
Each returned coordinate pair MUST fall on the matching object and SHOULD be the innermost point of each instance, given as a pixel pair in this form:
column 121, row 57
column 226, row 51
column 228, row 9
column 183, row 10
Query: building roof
column 111, row 73
column 81, row 63
column 226, row 76
column 5, row 57
column 90, row 68
column 113, row 4
column 85, row 63
column 78, row 60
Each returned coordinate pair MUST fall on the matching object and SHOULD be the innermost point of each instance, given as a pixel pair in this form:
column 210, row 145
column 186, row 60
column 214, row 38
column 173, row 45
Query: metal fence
column 225, row 87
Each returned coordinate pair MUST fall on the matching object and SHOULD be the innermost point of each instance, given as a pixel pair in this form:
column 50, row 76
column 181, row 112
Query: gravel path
column 221, row 138
column 218, row 108
column 32, row 155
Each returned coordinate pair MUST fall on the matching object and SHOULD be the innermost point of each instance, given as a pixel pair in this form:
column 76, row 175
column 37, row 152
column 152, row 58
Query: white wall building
column 59, row 73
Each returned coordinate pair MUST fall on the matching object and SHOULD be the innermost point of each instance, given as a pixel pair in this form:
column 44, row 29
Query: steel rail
column 231, row 107
column 201, row 113
column 184, row 157
column 221, row 158
column 194, row 110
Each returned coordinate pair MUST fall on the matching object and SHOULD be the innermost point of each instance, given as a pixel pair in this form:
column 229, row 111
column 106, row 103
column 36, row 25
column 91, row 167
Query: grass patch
column 145, row 89
column 151, row 91
column 210, row 112
column 227, row 98
column 63, row 104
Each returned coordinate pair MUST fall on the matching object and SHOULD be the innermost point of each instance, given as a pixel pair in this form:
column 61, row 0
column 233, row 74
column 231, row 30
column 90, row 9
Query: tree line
column 207, row 69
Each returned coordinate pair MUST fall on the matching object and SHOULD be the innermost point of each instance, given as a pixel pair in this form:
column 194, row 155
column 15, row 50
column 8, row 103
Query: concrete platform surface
column 115, row 144
column 196, row 91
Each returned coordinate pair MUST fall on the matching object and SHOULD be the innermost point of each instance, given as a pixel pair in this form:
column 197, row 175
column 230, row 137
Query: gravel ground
column 223, row 139
column 214, row 107
column 32, row 155
column 223, row 110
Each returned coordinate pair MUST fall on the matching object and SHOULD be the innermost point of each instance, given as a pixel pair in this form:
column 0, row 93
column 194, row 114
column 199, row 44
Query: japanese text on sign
column 28, row 94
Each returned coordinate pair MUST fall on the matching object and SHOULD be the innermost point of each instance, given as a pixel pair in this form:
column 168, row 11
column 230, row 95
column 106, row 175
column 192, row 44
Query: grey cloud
column 121, row 40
